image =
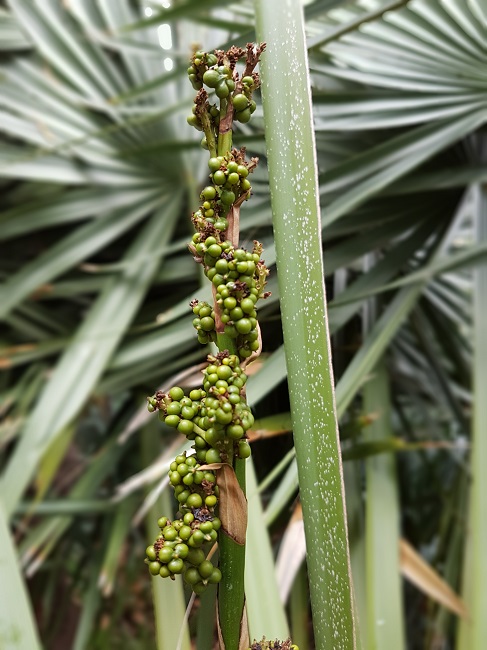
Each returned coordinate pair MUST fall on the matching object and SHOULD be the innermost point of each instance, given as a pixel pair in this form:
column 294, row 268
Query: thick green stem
column 231, row 590
column 297, row 229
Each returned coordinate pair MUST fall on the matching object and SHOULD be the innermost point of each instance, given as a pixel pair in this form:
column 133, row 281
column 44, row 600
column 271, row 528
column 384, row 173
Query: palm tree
column 98, row 174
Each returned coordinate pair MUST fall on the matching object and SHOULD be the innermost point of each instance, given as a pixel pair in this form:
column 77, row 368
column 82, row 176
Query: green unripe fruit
column 199, row 477
column 243, row 116
column 233, row 178
column 236, row 314
column 217, row 524
column 165, row 554
column 194, row 501
column 176, row 393
column 230, row 84
column 221, row 224
column 185, row 531
column 235, row 431
column 252, row 106
column 183, row 496
column 192, row 576
column 242, row 171
column 224, row 372
column 150, row 551
column 172, row 420
column 211, row 501
column 176, row 565
column 169, row 533
column 204, row 143
column 214, row 164
column 199, row 588
column 188, row 518
column 243, row 326
column 248, row 81
column 192, row 120
column 222, row 90
column 162, row 521
column 185, row 426
column 215, row 577
column 199, row 443
column 211, row 78
column 219, row 177
column 205, row 569
column 240, row 102
column 175, row 478
column 211, row 59
column 245, row 185
column 181, row 551
column 244, row 450
column 164, row 571
column 247, row 305
column 222, row 417
column 206, row 527
column 213, row 456
column 214, row 250
column 195, row 556
column 208, row 193
column 230, row 302
column 232, row 166
column 154, row 568
column 227, row 197
column 183, row 469
column 234, row 398
column 196, row 539
column 201, row 456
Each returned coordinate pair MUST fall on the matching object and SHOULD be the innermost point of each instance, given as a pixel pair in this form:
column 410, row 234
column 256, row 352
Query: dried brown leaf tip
column 273, row 645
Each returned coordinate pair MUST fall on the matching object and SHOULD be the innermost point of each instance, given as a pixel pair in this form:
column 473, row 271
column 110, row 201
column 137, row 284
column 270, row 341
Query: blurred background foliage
column 99, row 174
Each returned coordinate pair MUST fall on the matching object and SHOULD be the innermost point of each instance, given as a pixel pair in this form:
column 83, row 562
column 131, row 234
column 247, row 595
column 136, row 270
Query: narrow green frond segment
column 294, row 192
column 264, row 608
column 17, row 628
column 384, row 606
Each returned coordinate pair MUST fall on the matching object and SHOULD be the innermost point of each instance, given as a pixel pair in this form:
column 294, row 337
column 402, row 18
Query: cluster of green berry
column 217, row 71
column 239, row 278
column 230, row 184
column 215, row 417
column 182, row 545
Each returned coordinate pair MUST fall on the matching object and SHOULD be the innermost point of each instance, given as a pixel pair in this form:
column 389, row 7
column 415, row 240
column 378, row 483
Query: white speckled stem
column 297, row 228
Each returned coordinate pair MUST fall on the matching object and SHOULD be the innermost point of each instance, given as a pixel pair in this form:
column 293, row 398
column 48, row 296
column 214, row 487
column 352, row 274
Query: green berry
column 195, row 556
column 215, row 577
column 176, row 565
column 172, row 420
column 211, row 78
column 243, row 326
column 176, row 393
column 222, row 90
column 205, row 569
column 150, row 551
column 185, row 427
column 169, row 533
column 208, row 193
column 233, row 178
column 227, row 197
column 244, row 450
column 192, row 576
column 199, row 588
column 194, row 501
column 242, row 171
column 243, row 116
column 211, row 501
column 166, row 554
column 164, row 571
column 154, row 568
column 213, row 456
column 214, row 164
column 219, row 177
column 162, row 521
column 240, row 102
